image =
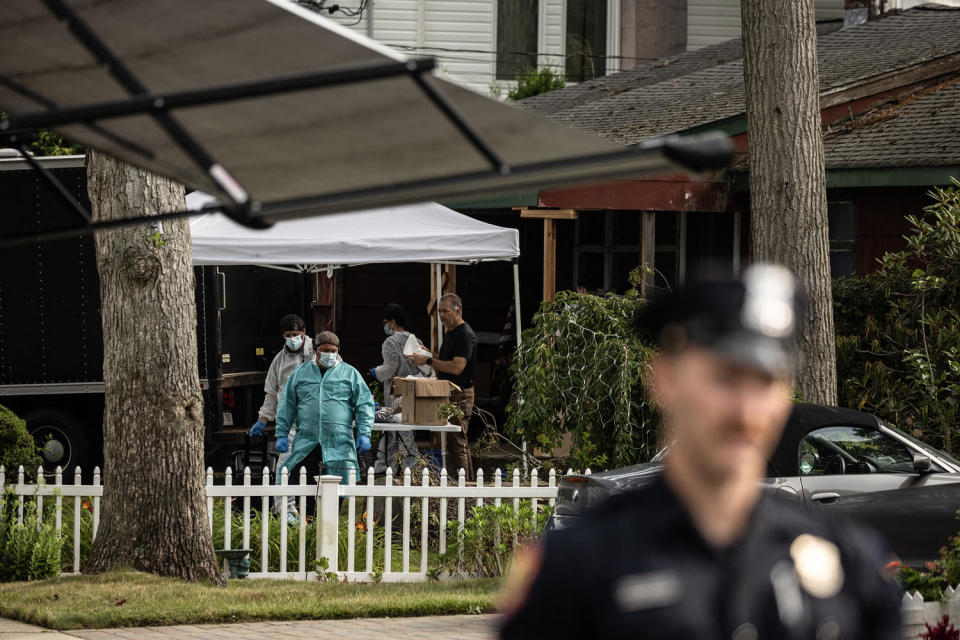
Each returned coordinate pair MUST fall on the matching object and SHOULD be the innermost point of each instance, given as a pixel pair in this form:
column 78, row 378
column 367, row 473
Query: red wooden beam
column 670, row 193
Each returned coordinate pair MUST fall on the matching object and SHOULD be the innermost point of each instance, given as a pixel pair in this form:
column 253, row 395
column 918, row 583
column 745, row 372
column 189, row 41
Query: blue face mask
column 387, row 330
column 327, row 360
column 294, row 343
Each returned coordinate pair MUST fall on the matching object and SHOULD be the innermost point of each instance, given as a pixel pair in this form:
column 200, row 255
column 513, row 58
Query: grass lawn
column 128, row 598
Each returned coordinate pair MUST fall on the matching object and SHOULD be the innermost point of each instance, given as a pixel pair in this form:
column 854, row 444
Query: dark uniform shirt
column 459, row 343
column 639, row 568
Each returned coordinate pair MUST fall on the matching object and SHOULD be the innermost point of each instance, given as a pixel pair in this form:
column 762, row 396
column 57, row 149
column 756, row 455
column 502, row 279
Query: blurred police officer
column 705, row 552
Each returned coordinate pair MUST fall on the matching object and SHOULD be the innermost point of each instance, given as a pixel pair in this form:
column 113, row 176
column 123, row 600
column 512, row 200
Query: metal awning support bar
column 42, row 100
column 102, row 53
column 58, row 187
column 489, row 182
column 716, row 152
column 460, row 122
column 73, row 232
column 149, row 103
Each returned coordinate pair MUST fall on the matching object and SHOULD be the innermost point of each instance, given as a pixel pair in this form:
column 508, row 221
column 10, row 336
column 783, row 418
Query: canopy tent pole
column 438, row 276
column 516, row 328
column 516, row 299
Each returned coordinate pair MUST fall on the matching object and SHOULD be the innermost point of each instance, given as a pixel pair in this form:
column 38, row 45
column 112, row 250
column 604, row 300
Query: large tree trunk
column 788, row 201
column 154, row 507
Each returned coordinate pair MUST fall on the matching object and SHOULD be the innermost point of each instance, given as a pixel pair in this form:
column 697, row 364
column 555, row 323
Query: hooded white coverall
column 280, row 369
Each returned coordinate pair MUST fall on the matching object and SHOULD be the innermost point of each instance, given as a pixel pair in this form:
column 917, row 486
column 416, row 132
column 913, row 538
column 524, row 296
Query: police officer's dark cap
column 751, row 319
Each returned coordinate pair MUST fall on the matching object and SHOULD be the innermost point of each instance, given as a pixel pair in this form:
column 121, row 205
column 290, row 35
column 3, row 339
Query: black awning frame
column 15, row 131
column 243, row 208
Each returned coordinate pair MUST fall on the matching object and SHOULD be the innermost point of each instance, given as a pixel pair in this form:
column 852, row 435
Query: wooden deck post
column 648, row 246
column 549, row 217
column 549, row 259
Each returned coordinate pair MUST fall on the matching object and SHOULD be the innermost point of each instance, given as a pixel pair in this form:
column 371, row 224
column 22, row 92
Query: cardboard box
column 421, row 398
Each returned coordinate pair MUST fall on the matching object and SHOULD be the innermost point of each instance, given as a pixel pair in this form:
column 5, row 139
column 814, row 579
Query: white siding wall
column 829, row 9
column 430, row 27
column 713, row 21
column 909, row 4
column 462, row 24
column 396, row 22
column 553, row 28
column 433, row 27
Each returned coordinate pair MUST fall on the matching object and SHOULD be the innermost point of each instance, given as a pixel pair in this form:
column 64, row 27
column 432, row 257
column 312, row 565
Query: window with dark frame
column 609, row 245
column 842, row 219
column 608, row 248
column 586, row 39
column 517, row 22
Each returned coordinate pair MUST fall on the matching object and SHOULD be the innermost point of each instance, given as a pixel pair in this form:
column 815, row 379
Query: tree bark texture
column 154, row 503
column 788, row 201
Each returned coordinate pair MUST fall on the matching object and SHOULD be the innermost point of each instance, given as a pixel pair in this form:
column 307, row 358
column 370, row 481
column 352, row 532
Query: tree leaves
column 902, row 360
column 581, row 370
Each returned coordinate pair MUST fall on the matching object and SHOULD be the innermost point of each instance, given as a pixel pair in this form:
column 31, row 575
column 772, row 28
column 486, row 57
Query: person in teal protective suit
column 325, row 397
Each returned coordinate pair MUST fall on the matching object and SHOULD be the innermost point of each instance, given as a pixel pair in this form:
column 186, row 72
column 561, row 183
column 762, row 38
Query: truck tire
column 61, row 440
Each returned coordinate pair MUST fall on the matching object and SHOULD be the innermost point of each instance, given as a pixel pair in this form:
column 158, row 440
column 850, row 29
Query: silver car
column 844, row 461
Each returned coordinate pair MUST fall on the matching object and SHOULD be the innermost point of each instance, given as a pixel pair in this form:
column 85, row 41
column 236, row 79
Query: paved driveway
column 478, row 627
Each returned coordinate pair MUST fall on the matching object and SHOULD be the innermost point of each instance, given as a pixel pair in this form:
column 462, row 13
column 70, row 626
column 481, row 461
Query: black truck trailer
column 51, row 342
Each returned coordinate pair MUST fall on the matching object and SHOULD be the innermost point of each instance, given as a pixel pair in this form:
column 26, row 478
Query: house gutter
column 870, row 177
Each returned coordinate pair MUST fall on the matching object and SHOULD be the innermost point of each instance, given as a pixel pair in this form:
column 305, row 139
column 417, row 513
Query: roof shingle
column 706, row 86
column 919, row 131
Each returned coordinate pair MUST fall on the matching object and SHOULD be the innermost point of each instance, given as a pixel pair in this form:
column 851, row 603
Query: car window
column 923, row 445
column 852, row 450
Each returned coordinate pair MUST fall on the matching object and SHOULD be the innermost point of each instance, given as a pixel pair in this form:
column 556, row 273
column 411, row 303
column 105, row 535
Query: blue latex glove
column 282, row 445
column 363, row 444
column 257, row 428
column 373, row 372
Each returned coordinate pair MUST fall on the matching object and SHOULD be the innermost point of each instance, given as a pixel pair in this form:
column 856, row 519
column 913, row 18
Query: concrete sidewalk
column 475, row 627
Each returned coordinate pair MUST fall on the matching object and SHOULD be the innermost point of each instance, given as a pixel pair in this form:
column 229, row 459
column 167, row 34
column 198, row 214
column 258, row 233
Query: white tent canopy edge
column 426, row 232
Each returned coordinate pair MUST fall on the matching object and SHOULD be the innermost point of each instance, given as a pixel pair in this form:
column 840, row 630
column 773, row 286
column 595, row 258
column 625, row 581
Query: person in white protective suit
column 396, row 364
column 297, row 349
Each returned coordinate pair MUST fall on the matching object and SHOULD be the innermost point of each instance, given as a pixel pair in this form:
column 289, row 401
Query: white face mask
column 327, row 360
column 294, row 343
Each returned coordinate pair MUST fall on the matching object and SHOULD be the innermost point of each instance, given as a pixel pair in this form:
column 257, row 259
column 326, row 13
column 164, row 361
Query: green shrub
column 17, row 446
column 48, row 143
column 533, row 82
column 490, row 537
column 901, row 361
column 581, row 369
column 293, row 540
column 86, row 530
column 27, row 551
column 933, row 578
column 855, row 299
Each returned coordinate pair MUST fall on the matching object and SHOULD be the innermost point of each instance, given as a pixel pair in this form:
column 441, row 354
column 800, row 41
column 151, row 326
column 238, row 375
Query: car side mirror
column 922, row 464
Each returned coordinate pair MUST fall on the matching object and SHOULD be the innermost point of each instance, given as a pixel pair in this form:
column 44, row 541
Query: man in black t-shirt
column 456, row 362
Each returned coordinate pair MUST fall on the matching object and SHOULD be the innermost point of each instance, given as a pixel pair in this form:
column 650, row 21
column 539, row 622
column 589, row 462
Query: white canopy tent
column 426, row 232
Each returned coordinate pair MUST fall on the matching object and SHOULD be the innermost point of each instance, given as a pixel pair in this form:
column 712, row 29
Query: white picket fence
column 918, row 613
column 328, row 493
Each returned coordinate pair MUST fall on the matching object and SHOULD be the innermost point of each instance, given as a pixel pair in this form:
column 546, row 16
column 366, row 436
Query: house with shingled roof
column 890, row 103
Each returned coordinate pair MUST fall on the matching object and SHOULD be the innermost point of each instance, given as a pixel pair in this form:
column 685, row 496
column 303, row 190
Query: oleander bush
column 898, row 330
